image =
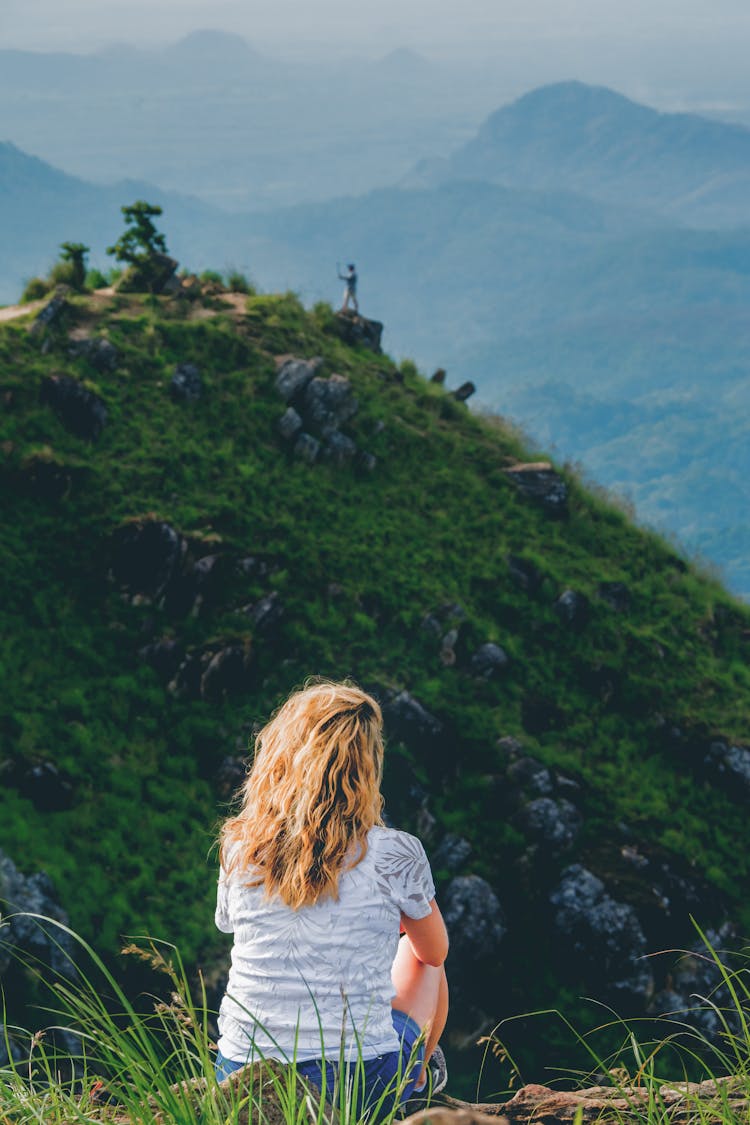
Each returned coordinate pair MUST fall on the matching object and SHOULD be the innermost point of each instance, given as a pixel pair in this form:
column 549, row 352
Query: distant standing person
column 350, row 293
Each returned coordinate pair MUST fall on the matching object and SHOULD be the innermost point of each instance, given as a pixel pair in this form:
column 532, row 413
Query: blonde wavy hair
column 311, row 796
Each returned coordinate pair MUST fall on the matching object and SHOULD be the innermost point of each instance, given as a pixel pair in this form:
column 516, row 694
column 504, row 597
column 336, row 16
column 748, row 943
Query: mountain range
column 555, row 260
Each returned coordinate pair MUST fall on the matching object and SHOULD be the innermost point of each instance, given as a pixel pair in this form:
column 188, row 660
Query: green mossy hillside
column 358, row 560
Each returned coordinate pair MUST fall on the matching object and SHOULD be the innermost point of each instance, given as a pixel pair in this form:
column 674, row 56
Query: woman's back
column 300, row 978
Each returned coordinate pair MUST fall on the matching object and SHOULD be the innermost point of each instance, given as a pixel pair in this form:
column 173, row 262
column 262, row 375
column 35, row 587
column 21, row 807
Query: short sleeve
column 404, row 874
column 221, row 917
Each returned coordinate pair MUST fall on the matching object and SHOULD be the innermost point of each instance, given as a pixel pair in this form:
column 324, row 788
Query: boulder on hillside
column 97, row 350
column 408, row 721
column 451, row 853
column 22, row 936
column 555, row 824
column 156, row 275
column 524, row 573
column 186, row 384
column 605, row 935
column 488, row 660
column 354, row 329
column 539, row 481
column 50, row 314
column 306, row 448
column 729, row 766
column 49, row 789
column 81, row 411
column 214, row 672
column 530, row 775
column 572, row 608
column 466, row 390
column 474, row 918
column 146, row 555
column 339, row 449
column 194, row 585
column 164, row 656
column 293, row 375
column 327, row 404
column 46, row 478
column 290, row 424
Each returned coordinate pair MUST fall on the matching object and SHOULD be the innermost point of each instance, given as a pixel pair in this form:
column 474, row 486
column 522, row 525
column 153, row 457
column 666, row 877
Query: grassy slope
column 433, row 524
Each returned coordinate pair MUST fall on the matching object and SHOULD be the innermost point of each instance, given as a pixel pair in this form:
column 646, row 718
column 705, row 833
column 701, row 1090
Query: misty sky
column 672, row 53
column 434, row 26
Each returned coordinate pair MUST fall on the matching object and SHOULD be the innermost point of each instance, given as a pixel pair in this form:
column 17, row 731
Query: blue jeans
column 391, row 1076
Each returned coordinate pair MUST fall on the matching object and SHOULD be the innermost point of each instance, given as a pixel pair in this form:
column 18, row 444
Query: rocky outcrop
column 358, row 330
column 466, row 390
column 81, row 411
column 317, row 409
column 96, row 350
column 572, row 608
column 186, row 384
column 475, row 920
column 146, row 556
column 488, row 660
column 50, row 314
column 408, row 721
column 155, row 275
column 607, row 933
column 539, row 481
column 215, row 671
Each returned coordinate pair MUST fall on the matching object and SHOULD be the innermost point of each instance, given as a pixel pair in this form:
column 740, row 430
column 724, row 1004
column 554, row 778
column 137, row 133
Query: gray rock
column 306, row 448
column 366, row 461
column 81, row 411
column 46, row 787
column 408, row 721
column 615, row 594
column 327, row 404
column 448, row 648
column 466, row 390
column 339, row 449
column 23, row 937
column 266, row 613
column 354, row 330
column 488, row 660
column 186, row 384
column 97, row 350
column 540, row 482
column 606, row 935
column 530, row 775
column 226, row 672
column 730, row 765
column 154, row 275
column 51, row 313
column 474, row 918
column 146, row 555
column 438, row 377
column 524, row 573
column 290, row 424
column 451, row 853
column 555, row 823
column 572, row 608
column 196, row 584
column 701, row 973
column 294, row 374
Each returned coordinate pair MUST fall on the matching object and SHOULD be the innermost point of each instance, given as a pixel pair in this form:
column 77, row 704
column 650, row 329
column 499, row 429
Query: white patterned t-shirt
column 299, row 978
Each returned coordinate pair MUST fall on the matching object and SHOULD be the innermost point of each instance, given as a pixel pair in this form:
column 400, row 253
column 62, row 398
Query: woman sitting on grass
column 316, row 891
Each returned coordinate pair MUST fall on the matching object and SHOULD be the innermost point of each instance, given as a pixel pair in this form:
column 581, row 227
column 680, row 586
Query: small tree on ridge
column 141, row 241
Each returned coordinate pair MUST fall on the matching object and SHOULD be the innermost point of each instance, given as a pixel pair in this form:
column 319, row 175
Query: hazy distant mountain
column 596, row 142
column 211, row 116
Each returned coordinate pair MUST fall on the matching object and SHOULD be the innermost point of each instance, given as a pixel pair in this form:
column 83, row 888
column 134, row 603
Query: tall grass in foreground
column 135, row 1068
column 153, row 1067
column 664, row 1078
